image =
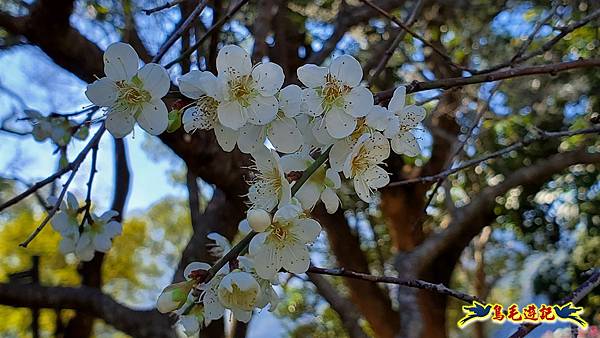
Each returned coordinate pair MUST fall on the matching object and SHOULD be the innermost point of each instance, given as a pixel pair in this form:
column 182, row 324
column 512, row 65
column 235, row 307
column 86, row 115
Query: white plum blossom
column 221, row 245
column 130, row 94
column 270, row 187
column 405, row 119
column 65, row 223
column 362, row 165
column 336, row 93
column 174, row 296
column 97, row 235
column 282, row 131
column 320, row 185
column 57, row 128
column 283, row 244
column 248, row 92
column 204, row 89
column 239, row 292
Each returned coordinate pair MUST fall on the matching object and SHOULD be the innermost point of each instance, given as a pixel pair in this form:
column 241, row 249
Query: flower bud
column 258, row 219
column 173, row 297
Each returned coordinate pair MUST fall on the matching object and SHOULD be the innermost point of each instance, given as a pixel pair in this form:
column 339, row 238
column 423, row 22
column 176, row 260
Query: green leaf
column 174, row 120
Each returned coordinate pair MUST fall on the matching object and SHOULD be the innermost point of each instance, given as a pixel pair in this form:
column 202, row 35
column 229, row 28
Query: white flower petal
column 67, row 245
column 257, row 243
column 189, row 84
column 358, row 102
column 113, row 228
column 262, row 110
column 310, row 102
column 311, row 75
column 319, row 131
column 190, row 324
column 120, row 61
column 346, row 69
column 269, row 78
column 241, row 315
column 290, row 100
column 251, row 138
column 226, row 137
column 119, row 124
column 102, row 92
column 376, row 177
column 102, row 243
column 295, row 162
column 379, row 147
column 307, row 230
column 362, row 189
column 154, row 117
column 221, row 241
column 308, row 195
column 378, row 118
column 398, row 100
column 61, row 222
column 338, row 154
column 233, row 61
column 405, row 143
column 331, row 200
column 411, row 116
column 231, row 115
column 288, row 212
column 295, row 258
column 267, row 262
column 155, row 79
column 339, row 124
column 213, row 309
column 285, row 135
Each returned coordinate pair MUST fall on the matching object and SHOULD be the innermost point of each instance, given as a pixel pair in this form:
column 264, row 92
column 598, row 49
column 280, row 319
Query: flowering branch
column 88, row 197
column 413, row 283
column 539, row 136
column 576, row 296
column 74, row 166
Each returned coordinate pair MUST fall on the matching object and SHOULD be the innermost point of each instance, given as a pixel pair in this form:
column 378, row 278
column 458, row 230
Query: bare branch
column 73, row 166
column 208, row 33
column 182, row 29
column 542, row 135
column 405, row 27
column 169, row 4
column 413, row 283
column 554, row 68
column 93, row 143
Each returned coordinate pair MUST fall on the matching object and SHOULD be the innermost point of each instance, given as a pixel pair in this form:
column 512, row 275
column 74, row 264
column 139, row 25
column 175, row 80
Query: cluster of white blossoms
column 58, row 129
column 332, row 116
column 83, row 238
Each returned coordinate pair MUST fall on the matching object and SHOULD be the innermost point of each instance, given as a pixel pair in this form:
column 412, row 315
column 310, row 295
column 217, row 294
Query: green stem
column 237, row 249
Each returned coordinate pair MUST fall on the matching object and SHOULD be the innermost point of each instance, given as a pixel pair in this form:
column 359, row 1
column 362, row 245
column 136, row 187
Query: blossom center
column 241, row 89
column 361, row 162
column 333, row 91
column 132, row 94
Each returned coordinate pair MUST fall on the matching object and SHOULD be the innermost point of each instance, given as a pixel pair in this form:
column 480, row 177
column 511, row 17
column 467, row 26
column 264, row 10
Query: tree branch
column 91, row 301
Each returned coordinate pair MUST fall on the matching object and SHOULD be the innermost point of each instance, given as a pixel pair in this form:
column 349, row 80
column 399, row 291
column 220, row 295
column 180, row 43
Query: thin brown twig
column 395, row 20
column 460, row 145
column 179, row 32
column 74, row 166
column 169, row 4
column 576, row 296
column 545, row 47
column 399, row 37
column 531, row 36
column 413, row 283
column 214, row 27
column 540, row 136
column 88, row 196
column 69, row 167
column 553, row 68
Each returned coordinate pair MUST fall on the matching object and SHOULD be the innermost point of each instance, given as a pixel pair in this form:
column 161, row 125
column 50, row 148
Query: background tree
column 505, row 81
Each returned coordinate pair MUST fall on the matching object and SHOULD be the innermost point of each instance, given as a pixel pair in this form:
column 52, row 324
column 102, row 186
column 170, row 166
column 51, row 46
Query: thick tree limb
column 91, row 301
